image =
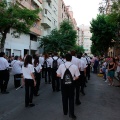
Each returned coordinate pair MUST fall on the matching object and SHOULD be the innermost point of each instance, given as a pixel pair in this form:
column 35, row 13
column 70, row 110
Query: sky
column 84, row 10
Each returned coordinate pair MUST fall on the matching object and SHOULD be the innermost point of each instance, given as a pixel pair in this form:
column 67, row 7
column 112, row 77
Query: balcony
column 48, row 1
column 36, row 31
column 46, row 22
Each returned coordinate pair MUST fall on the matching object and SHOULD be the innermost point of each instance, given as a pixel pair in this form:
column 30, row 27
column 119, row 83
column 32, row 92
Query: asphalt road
column 101, row 102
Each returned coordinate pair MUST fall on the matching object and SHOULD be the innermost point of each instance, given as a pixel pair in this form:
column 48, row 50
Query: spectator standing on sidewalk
column 29, row 80
column 68, row 89
column 111, row 71
column 4, row 73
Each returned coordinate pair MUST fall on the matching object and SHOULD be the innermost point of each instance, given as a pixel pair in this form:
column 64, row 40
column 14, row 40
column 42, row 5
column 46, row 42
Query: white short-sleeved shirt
column 73, row 69
column 16, row 67
column 3, row 63
column 41, row 60
column 55, row 58
column 82, row 65
column 84, row 59
column 75, row 61
column 62, row 61
column 38, row 68
column 27, row 71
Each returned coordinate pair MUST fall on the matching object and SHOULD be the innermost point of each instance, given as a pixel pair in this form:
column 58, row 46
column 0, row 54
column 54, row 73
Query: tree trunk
column 3, row 42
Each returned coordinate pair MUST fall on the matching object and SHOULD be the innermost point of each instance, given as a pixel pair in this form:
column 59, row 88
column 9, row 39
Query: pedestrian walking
column 4, row 73
column 29, row 80
column 68, row 73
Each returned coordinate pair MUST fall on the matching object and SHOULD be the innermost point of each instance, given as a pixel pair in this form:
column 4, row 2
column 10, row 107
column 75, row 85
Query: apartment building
column 50, row 16
column 25, row 43
column 65, row 12
column 84, row 38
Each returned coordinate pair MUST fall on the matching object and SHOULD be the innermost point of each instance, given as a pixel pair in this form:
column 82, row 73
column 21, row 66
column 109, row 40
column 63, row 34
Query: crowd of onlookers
column 109, row 67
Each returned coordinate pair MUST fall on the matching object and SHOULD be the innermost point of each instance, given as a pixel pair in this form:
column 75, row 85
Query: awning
column 40, row 5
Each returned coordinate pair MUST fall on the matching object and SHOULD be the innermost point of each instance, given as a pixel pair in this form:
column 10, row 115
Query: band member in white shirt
column 16, row 65
column 41, row 61
column 38, row 69
column 47, row 68
column 55, row 62
column 75, row 61
column 88, row 60
column 82, row 68
column 29, row 79
column 4, row 73
column 68, row 89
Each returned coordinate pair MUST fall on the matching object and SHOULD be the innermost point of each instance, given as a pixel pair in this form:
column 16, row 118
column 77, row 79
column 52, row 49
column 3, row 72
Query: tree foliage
column 61, row 40
column 78, row 49
column 13, row 16
column 102, row 34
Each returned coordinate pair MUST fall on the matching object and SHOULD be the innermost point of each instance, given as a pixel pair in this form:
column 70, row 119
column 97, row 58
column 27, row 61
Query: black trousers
column 17, row 80
column 77, row 89
column 38, row 80
column 55, row 80
column 4, row 78
column 68, row 98
column 88, row 72
column 82, row 81
column 47, row 74
column 29, row 89
column 43, row 72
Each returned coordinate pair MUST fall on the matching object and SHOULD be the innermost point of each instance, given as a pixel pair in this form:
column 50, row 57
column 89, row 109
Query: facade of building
column 84, row 38
column 50, row 16
column 25, row 43
column 65, row 12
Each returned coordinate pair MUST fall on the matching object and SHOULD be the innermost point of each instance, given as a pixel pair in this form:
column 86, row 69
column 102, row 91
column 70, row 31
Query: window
column 62, row 5
column 45, row 11
column 33, row 37
column 62, row 15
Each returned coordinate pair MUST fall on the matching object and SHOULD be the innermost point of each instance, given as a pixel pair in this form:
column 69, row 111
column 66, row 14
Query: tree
column 13, row 16
column 61, row 40
column 78, row 49
column 102, row 34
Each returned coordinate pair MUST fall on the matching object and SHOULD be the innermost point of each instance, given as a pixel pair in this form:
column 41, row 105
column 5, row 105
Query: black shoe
column 65, row 113
column 31, row 105
column 77, row 102
column 5, row 92
column 83, row 93
column 58, row 90
column 73, row 117
column 27, row 105
column 36, row 94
